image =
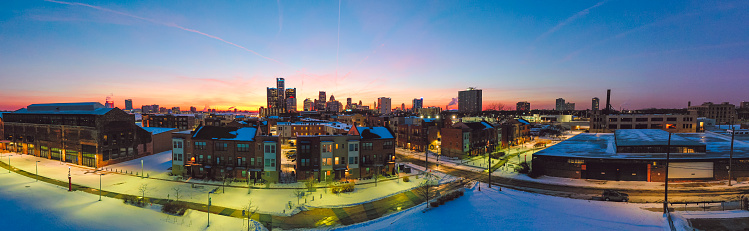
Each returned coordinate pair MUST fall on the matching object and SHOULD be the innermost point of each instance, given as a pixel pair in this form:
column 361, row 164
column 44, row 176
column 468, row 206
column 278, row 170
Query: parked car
column 611, row 195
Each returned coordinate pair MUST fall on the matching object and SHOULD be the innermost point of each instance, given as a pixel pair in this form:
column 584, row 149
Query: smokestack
column 689, row 104
column 608, row 101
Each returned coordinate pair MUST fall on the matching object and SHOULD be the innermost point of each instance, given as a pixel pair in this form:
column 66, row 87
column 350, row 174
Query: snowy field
column 490, row 209
column 30, row 205
column 269, row 201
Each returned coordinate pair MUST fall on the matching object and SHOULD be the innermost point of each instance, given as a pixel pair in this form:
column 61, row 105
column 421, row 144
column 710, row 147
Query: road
column 587, row 193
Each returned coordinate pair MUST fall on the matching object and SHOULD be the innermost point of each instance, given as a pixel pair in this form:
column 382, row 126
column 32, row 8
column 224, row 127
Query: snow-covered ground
column 490, row 209
column 270, row 201
column 30, row 205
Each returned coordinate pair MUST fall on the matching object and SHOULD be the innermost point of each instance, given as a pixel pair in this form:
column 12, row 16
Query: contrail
column 569, row 20
column 338, row 44
column 164, row 24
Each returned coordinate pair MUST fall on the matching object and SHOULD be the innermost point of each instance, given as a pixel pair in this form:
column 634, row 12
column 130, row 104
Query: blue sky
column 222, row 54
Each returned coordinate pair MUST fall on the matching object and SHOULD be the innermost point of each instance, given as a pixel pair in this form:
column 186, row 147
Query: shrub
column 434, row 204
column 175, row 208
column 523, row 168
column 343, row 188
column 406, row 179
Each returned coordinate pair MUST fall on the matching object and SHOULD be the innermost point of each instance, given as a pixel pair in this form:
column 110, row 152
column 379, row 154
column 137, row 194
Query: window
column 304, row 148
column 353, row 160
column 613, row 119
column 656, row 119
column 243, row 147
column 270, row 148
column 327, row 148
column 179, row 157
column 670, row 126
column 641, row 119
column 200, row 145
column 387, row 145
column 656, row 126
column 671, row 119
column 641, row 126
column 179, row 144
column 270, row 162
column 221, row 146
column 174, row 144
column 626, row 120
column 337, row 161
column 326, row 161
column 366, row 146
column 353, row 147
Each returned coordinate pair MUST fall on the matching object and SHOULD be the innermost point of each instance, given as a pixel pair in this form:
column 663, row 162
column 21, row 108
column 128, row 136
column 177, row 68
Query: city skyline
column 659, row 55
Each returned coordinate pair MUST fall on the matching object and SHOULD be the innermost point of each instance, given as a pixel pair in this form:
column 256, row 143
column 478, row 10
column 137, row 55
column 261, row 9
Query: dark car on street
column 612, row 195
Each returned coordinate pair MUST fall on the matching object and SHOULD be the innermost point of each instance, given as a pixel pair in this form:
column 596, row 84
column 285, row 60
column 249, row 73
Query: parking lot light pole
column 37, row 170
column 668, row 159
column 100, row 186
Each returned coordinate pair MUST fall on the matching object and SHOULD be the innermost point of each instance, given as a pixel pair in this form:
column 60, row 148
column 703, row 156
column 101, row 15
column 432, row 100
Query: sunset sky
column 220, row 54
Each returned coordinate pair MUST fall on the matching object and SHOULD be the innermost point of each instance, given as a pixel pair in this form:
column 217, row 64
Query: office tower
column 129, row 104
column 416, row 104
column 384, row 105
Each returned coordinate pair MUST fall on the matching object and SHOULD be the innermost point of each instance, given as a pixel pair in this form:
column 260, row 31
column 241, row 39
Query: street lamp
column 36, row 165
column 209, row 206
column 668, row 159
column 9, row 166
column 100, row 185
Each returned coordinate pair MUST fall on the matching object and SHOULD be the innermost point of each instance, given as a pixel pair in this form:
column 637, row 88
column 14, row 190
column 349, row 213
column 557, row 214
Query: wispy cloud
column 568, row 21
column 169, row 24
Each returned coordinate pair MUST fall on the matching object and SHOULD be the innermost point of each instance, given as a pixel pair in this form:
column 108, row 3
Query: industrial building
column 640, row 155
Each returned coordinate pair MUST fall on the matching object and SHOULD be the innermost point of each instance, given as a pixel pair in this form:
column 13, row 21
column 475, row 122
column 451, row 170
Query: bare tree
column 177, row 190
column 498, row 107
column 424, row 188
column 310, row 184
column 143, row 189
column 248, row 211
column 299, row 193
column 227, row 181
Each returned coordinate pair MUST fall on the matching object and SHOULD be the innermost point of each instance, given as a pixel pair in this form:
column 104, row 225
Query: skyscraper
column 321, row 101
column 523, row 106
column 416, row 104
column 596, row 104
column 561, row 105
column 470, row 101
column 129, row 104
column 348, row 103
column 309, row 105
column 384, row 105
column 281, row 99
column 291, row 100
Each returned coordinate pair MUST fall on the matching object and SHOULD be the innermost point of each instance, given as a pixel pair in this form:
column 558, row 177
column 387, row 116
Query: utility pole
column 668, row 158
column 426, row 165
column 730, row 157
column 141, row 169
column 70, row 182
column 36, row 165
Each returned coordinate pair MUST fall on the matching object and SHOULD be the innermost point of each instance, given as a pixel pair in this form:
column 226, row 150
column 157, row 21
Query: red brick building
column 468, row 139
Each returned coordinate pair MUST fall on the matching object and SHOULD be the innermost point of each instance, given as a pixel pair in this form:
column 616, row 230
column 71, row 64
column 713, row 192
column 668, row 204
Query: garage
column 690, row 170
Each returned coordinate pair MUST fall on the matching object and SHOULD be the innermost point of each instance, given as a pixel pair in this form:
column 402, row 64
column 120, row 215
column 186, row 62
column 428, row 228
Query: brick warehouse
column 80, row 133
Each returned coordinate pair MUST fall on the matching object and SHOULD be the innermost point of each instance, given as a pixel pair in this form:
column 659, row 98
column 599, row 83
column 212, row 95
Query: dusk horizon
column 661, row 55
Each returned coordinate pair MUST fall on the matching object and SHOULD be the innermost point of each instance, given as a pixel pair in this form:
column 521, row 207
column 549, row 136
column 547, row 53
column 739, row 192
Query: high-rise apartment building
column 193, row 109
column 129, row 104
column 384, row 105
column 561, row 105
column 470, row 101
column 596, row 104
column 523, row 106
column 417, row 104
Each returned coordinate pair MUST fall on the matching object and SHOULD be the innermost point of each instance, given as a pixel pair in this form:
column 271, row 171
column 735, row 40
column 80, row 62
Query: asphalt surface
column 689, row 194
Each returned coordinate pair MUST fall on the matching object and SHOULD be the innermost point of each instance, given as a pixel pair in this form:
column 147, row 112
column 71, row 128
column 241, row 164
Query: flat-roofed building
column 640, row 155
column 678, row 123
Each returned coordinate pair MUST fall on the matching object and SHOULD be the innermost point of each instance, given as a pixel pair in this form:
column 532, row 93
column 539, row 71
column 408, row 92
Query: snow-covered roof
column 157, row 130
column 602, row 145
column 225, row 133
column 374, row 133
column 98, row 111
column 650, row 137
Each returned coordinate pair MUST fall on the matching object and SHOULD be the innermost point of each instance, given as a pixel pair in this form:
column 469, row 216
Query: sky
column 221, row 54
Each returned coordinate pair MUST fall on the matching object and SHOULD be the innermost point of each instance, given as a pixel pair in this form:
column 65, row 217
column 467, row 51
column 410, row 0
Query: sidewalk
column 311, row 218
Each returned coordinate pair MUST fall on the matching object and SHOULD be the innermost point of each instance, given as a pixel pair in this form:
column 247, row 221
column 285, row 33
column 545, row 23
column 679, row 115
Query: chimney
column 689, row 104
column 608, row 101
